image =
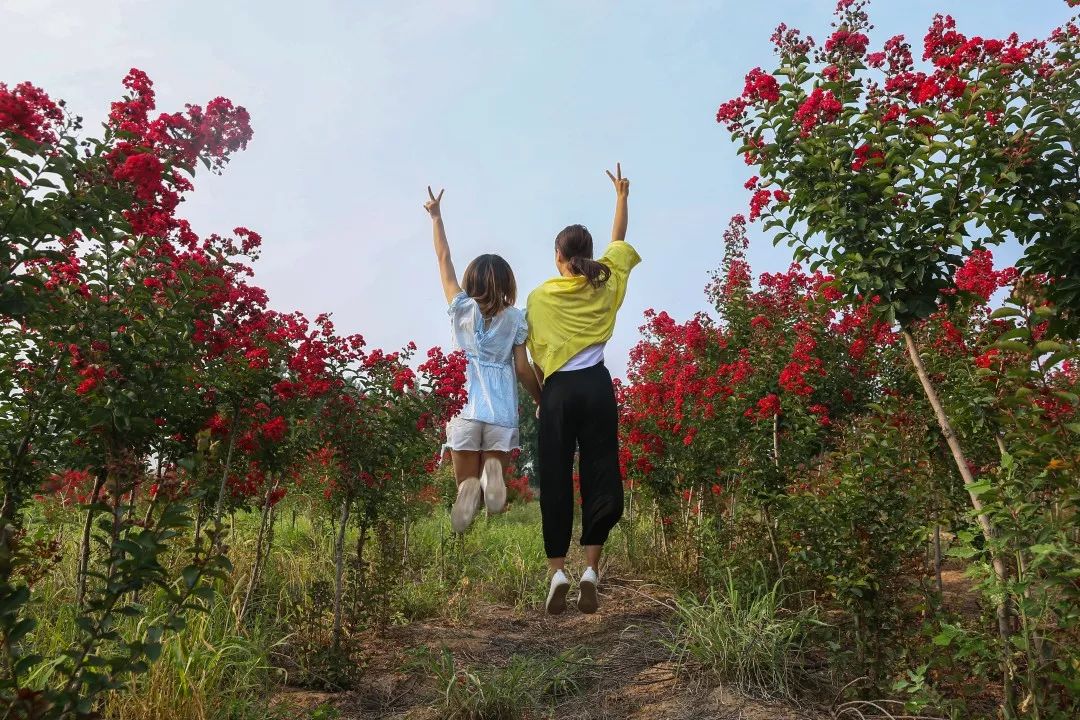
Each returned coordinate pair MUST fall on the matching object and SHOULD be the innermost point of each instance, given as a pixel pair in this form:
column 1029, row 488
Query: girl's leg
column 494, row 464
column 557, row 440
column 601, row 479
column 467, row 474
column 466, row 464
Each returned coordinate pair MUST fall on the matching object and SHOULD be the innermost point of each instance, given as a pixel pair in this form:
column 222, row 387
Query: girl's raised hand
column 622, row 185
column 432, row 205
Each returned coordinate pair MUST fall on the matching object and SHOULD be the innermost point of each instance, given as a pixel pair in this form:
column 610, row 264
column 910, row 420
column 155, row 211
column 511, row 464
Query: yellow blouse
column 567, row 314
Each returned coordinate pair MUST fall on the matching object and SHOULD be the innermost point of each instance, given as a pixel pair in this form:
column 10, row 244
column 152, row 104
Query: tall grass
column 206, row 672
column 501, row 558
column 744, row 637
column 524, row 685
column 215, row 668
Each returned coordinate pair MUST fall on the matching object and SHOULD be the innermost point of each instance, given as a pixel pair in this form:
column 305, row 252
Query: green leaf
column 191, row 575
column 1018, row 332
column 945, row 637
column 1013, row 346
column 963, row 552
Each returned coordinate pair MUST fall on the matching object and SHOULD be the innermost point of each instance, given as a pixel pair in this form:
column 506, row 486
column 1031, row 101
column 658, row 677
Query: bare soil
column 633, row 675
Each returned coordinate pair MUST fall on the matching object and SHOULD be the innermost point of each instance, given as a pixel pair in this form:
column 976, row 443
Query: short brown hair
column 490, row 282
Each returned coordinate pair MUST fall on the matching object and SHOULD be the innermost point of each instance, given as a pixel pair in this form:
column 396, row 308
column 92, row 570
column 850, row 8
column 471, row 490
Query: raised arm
column 525, row 373
column 447, row 274
column 622, row 191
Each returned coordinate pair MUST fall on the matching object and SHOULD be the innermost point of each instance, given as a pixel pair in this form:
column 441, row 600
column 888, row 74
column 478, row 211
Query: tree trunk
column 361, row 541
column 765, row 507
column 937, row 558
column 84, row 543
column 772, row 543
column 983, row 519
column 225, row 472
column 776, row 440
column 339, row 569
column 198, row 524
column 254, row 579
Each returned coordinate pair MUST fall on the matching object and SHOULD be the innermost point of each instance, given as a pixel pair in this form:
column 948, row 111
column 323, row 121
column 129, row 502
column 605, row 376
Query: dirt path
column 631, row 675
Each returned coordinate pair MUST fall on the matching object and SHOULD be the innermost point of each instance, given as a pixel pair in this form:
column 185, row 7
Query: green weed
column 526, row 683
column 744, row 637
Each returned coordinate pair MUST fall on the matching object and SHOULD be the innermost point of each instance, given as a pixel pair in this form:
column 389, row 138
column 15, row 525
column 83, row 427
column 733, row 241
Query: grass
column 207, row 671
column 216, row 669
column 526, row 683
column 745, row 638
column 501, row 558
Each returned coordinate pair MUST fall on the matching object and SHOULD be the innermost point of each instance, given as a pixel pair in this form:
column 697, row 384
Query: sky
column 516, row 107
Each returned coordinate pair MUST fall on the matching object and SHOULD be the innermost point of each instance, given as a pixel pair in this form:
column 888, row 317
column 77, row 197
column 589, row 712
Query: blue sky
column 515, row 107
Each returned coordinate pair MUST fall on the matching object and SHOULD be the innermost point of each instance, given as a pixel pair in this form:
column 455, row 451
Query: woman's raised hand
column 432, row 205
column 622, row 185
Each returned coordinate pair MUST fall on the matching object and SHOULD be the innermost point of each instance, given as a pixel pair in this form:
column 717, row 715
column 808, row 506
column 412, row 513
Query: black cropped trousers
column 578, row 413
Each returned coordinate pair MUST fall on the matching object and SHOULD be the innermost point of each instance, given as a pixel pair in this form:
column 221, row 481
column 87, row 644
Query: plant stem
column 84, row 543
column 254, row 579
column 983, row 519
column 339, row 569
column 228, row 463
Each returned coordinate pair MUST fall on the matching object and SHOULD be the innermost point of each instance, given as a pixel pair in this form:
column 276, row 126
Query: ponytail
column 596, row 273
column 575, row 246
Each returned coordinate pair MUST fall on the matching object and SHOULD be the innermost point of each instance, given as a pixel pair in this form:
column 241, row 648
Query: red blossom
column 27, row 111
column 820, row 107
column 978, row 277
column 758, row 202
column 848, row 42
column 274, row 429
column 761, row 86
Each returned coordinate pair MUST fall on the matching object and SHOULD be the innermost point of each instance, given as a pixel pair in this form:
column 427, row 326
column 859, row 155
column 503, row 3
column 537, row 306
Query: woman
column 491, row 332
column 570, row 319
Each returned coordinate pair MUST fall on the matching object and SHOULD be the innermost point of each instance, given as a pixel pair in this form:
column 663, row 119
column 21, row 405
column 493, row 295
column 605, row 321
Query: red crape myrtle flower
column 978, row 277
column 27, row 111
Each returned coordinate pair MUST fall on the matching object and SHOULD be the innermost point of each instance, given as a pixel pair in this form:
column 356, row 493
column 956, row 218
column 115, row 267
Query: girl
column 571, row 318
column 491, row 332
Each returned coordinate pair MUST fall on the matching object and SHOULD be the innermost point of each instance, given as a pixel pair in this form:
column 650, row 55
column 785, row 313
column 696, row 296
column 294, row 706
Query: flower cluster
column 978, row 277
column 821, row 106
column 27, row 111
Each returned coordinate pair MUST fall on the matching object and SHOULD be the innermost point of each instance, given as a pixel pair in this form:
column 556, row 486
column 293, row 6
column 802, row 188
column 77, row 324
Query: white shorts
column 462, row 434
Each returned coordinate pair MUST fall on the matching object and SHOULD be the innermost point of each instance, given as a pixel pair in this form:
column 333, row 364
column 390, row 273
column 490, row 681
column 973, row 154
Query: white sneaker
column 491, row 480
column 556, row 599
column 587, row 600
column 466, row 505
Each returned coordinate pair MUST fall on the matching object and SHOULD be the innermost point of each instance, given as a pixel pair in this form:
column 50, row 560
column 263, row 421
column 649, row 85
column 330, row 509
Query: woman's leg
column 466, row 464
column 557, row 440
column 601, row 479
column 467, row 474
column 493, row 464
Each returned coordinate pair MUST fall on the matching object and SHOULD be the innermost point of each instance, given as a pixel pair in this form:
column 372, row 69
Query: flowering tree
column 127, row 339
column 736, row 407
column 379, row 424
column 889, row 175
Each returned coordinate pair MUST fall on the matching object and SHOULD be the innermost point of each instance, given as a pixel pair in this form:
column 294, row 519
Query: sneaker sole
column 495, row 490
column 587, row 600
column 556, row 602
column 464, row 510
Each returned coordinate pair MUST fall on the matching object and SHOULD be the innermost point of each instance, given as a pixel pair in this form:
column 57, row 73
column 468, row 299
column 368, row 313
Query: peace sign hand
column 622, row 185
column 432, row 205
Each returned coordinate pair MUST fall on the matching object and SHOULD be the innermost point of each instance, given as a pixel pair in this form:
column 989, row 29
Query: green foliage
column 746, row 638
column 508, row 692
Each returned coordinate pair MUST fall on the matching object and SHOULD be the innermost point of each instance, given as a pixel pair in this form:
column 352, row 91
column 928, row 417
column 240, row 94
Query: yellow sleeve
column 621, row 257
